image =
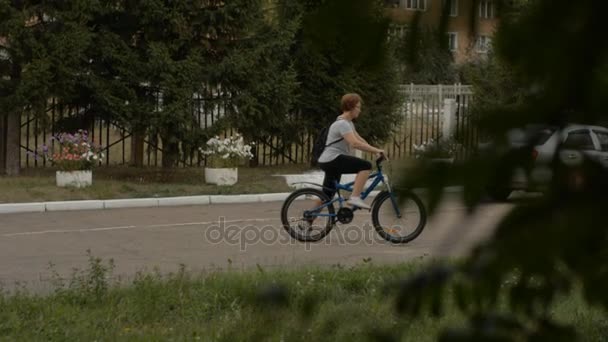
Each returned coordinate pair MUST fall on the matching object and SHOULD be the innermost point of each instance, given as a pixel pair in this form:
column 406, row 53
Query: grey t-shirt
column 337, row 131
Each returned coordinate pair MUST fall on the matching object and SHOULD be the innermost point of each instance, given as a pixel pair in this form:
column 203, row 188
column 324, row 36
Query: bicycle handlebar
column 380, row 160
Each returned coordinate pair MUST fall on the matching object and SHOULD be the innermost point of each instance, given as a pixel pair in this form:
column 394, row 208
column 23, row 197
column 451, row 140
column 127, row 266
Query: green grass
column 37, row 185
column 310, row 304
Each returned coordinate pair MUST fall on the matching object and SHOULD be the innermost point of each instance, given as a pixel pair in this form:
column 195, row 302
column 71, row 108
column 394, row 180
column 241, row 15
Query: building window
column 453, row 7
column 391, row 3
column 453, row 41
column 486, row 9
column 417, row 5
column 483, row 44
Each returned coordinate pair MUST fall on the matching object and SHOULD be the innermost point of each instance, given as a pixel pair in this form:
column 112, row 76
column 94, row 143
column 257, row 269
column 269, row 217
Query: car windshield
column 534, row 134
column 543, row 135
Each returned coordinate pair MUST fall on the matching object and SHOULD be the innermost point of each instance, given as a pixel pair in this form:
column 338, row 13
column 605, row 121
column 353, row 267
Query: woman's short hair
column 350, row 101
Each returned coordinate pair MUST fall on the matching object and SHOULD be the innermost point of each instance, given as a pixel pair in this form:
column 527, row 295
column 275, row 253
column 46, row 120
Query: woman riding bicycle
column 337, row 157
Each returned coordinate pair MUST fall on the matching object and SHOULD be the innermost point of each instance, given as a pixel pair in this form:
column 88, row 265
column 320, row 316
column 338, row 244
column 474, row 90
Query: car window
column 603, row 138
column 543, row 135
column 579, row 140
column 533, row 134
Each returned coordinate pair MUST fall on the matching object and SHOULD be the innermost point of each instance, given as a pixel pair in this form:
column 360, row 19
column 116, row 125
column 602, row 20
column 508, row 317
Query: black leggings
column 335, row 168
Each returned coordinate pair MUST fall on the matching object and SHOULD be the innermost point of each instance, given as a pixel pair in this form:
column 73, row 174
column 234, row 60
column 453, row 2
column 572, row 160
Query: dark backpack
column 320, row 145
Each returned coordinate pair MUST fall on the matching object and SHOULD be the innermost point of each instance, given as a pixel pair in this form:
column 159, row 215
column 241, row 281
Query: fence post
column 449, row 118
column 137, row 149
column 10, row 144
column 3, row 122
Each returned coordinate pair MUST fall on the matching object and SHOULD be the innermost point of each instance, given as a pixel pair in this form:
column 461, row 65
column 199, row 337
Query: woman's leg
column 332, row 175
column 360, row 180
column 350, row 164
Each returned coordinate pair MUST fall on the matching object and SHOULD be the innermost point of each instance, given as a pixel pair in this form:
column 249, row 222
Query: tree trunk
column 10, row 144
column 3, row 123
column 170, row 153
column 137, row 149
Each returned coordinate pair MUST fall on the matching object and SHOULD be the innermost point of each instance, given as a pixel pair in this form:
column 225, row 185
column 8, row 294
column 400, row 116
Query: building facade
column 470, row 23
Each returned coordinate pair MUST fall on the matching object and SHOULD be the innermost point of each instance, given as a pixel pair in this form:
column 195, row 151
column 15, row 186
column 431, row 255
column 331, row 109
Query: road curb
column 40, row 207
column 274, row 197
column 233, row 199
column 13, row 208
column 185, row 200
column 131, row 203
column 74, row 205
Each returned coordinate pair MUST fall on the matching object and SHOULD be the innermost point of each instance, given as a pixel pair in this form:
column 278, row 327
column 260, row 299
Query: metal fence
column 422, row 111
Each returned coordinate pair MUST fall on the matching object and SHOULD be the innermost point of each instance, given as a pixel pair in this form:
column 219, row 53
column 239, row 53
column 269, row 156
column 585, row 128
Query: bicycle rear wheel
column 300, row 221
column 403, row 227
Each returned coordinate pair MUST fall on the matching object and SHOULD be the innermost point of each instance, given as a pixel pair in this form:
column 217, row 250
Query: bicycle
column 385, row 206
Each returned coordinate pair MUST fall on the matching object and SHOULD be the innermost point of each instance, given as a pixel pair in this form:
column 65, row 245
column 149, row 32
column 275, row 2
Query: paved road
column 164, row 238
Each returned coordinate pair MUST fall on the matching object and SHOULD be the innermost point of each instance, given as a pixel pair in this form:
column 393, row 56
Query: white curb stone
column 229, row 199
column 74, row 205
column 131, row 203
column 187, row 200
column 22, row 208
column 273, row 197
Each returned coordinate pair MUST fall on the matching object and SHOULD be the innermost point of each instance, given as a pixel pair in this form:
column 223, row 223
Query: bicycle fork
column 393, row 199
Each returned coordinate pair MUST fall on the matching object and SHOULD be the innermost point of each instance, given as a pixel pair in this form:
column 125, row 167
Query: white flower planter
column 221, row 176
column 76, row 179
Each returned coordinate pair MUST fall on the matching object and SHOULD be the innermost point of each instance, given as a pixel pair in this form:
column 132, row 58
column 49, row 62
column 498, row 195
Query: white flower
column 227, row 148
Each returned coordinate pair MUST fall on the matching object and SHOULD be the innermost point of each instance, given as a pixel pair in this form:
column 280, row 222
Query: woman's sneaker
column 357, row 202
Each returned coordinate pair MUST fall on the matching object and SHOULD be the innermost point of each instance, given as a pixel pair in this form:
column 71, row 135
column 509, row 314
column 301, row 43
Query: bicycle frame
column 378, row 177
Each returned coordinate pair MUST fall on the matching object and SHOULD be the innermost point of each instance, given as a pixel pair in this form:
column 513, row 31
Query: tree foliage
column 43, row 44
column 547, row 246
column 424, row 57
column 141, row 63
column 272, row 71
column 341, row 47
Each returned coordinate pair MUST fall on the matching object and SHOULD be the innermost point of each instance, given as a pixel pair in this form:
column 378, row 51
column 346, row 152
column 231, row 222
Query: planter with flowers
column 223, row 158
column 75, row 156
column 442, row 151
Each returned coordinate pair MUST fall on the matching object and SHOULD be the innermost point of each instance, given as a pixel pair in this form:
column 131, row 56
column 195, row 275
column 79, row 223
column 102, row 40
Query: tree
column 424, row 55
column 141, row 63
column 334, row 56
column 43, row 43
column 549, row 245
column 166, row 52
column 259, row 74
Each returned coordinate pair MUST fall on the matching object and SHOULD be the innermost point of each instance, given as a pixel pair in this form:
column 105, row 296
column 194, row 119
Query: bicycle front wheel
column 301, row 221
column 398, row 219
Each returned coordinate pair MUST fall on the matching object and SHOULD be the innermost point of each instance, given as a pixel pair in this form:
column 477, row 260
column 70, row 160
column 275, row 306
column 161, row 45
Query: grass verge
column 313, row 304
column 38, row 185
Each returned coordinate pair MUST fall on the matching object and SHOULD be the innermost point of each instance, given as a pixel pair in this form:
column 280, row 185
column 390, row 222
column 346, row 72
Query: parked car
column 578, row 142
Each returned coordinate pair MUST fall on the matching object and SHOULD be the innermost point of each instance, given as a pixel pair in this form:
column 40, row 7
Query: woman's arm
column 360, row 137
column 360, row 144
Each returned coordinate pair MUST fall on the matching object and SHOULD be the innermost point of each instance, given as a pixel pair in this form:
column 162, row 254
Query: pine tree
column 43, row 45
column 340, row 47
